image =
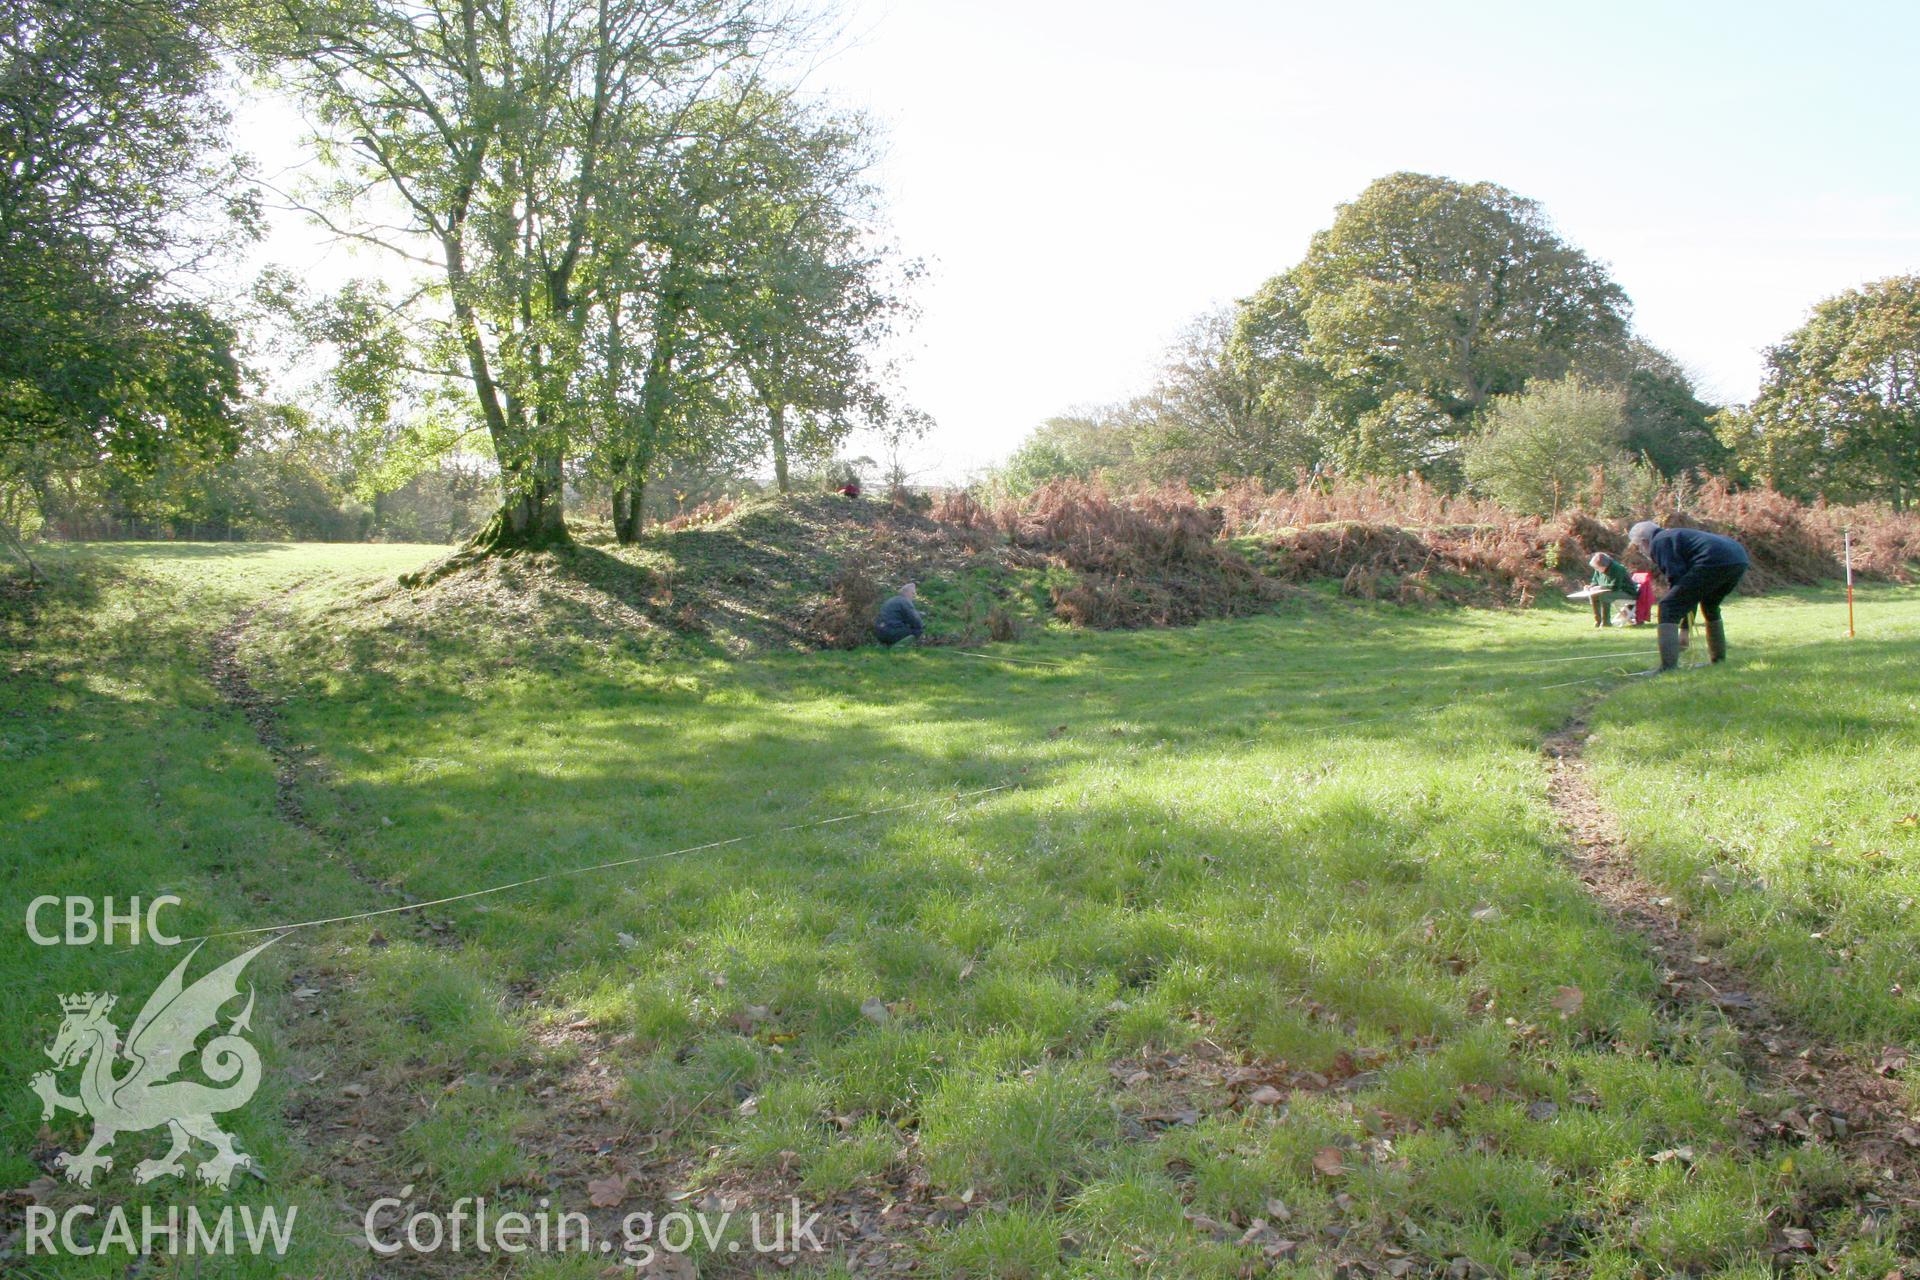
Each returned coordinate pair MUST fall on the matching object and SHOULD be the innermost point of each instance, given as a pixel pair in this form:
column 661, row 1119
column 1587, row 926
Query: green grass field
column 1257, row 960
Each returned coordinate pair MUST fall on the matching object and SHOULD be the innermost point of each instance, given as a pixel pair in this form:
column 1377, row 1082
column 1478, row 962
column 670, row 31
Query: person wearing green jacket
column 1611, row 574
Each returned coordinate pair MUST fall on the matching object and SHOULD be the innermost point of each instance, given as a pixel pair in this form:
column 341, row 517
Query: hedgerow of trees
column 627, row 263
column 115, row 192
column 1435, row 328
column 619, row 248
column 634, row 246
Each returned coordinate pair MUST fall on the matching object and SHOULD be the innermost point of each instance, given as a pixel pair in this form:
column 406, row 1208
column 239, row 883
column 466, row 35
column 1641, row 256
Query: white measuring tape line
column 1495, row 664
column 868, row 813
column 600, row 866
column 739, row 839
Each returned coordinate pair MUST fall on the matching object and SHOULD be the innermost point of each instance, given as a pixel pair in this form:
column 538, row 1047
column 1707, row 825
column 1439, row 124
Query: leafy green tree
column 662, row 356
column 1838, row 413
column 1668, row 424
column 1538, row 451
column 1405, row 433
column 1423, row 301
column 1269, row 345
column 1074, row 445
column 114, row 192
column 741, row 298
column 1207, row 421
column 495, row 144
column 374, row 419
column 814, row 299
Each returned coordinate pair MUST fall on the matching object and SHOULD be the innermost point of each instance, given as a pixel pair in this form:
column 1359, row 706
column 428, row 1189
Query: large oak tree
column 1838, row 414
column 1425, row 299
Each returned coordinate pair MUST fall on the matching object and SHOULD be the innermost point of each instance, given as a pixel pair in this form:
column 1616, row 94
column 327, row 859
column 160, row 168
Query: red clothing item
column 1643, row 603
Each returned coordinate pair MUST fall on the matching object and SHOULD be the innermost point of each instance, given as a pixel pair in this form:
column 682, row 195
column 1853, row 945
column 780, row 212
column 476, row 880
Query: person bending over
column 899, row 620
column 1618, row 581
column 1701, row 569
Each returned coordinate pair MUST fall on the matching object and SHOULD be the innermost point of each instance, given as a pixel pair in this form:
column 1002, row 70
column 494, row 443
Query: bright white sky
column 1083, row 176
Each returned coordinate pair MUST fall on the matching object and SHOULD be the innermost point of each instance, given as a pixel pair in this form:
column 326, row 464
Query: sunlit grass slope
column 1312, row 842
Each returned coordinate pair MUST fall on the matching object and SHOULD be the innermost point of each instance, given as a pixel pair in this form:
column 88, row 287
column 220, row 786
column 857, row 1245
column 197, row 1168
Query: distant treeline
column 658, row 288
column 1443, row 330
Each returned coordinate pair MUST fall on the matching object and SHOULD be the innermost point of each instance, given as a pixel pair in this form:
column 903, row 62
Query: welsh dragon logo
column 156, row 1049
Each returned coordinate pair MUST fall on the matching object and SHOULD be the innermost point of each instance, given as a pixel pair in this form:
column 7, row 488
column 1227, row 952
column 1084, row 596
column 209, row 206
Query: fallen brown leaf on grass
column 750, row 1017
column 606, row 1193
column 1893, row 1060
column 1795, row 1239
column 1568, row 1000
column 1171, row 1116
column 1266, row 1238
column 40, row 1191
column 1330, row 1162
column 1265, row 1096
column 1211, row 1226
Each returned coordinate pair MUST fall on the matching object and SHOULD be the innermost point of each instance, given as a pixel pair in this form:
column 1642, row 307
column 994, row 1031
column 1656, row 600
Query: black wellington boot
column 1669, row 645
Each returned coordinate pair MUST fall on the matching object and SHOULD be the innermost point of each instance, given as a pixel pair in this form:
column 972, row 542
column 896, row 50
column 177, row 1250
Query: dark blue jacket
column 1675, row 551
column 898, row 620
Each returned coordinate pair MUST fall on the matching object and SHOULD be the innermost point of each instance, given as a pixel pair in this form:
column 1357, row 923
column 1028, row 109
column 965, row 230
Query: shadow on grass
column 63, row 587
column 590, row 766
column 173, row 550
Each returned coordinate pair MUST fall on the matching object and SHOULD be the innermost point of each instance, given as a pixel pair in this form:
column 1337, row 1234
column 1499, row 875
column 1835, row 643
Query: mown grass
column 1783, row 807
column 122, row 775
column 1316, row 833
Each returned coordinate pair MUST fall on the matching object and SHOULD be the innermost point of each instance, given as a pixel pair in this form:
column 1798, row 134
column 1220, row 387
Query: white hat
column 1641, row 535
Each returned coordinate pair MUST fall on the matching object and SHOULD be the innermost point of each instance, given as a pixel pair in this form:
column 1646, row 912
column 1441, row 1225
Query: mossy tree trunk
column 532, row 513
column 629, row 510
column 777, row 428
